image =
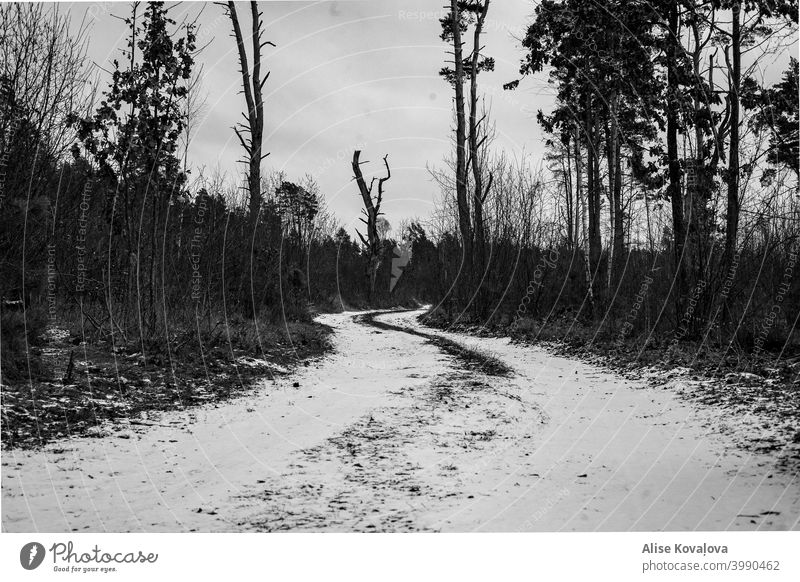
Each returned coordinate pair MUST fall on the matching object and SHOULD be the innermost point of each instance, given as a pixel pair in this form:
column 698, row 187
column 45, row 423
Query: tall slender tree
column 471, row 134
column 453, row 25
column 477, row 137
column 674, row 189
column 251, row 133
column 747, row 23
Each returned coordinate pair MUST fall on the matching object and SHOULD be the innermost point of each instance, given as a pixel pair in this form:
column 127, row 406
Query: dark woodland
column 664, row 225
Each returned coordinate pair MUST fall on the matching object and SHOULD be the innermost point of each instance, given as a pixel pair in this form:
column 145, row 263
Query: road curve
column 405, row 428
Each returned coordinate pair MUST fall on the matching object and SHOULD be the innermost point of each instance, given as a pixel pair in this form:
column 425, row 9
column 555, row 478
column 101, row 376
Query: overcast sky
column 347, row 74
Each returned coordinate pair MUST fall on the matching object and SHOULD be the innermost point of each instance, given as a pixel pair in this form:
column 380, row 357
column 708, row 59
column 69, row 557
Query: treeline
column 669, row 210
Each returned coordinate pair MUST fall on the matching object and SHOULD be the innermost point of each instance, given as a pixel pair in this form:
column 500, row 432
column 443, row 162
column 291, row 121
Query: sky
column 345, row 75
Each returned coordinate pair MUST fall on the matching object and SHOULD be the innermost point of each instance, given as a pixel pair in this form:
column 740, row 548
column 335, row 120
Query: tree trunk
column 372, row 209
column 461, row 150
column 673, row 163
column 615, row 177
column 619, row 219
column 479, row 196
column 697, row 194
column 566, row 167
column 593, row 196
column 255, row 107
column 614, row 194
column 580, row 209
column 580, row 226
column 732, row 223
column 611, row 262
column 257, row 129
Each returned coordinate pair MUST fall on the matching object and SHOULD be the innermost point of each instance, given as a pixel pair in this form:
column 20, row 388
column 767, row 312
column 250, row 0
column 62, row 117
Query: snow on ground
column 390, row 434
column 616, row 455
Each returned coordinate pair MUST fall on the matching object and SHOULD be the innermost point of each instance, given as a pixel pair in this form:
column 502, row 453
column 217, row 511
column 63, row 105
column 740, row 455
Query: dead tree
column 251, row 134
column 371, row 210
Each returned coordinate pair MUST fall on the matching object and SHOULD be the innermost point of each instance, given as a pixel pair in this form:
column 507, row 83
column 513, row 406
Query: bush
column 19, row 330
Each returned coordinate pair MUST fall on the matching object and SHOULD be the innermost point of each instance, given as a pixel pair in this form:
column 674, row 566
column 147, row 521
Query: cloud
column 345, row 74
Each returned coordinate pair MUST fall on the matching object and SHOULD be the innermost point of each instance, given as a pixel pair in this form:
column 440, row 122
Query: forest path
column 402, row 430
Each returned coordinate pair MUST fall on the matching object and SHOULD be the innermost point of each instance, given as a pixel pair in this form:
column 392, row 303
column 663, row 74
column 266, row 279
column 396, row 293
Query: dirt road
column 396, row 432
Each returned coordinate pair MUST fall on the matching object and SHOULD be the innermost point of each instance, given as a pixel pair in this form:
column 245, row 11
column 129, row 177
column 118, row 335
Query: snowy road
column 391, row 433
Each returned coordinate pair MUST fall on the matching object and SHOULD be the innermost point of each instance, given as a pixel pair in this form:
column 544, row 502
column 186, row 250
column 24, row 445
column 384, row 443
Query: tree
column 471, row 133
column 674, row 190
column 555, row 37
column 45, row 70
column 692, row 102
column 776, row 110
column 384, row 227
column 44, row 76
column 298, row 207
column 747, row 23
column 734, row 83
column 134, row 138
column 601, row 61
column 477, row 137
column 453, row 26
column 371, row 210
column 251, row 134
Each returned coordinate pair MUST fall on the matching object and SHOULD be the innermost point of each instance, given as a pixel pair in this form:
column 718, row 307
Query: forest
column 663, row 223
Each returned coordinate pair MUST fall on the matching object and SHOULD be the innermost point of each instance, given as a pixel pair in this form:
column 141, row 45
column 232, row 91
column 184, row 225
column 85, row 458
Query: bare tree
column 44, row 70
column 194, row 108
column 372, row 210
column 251, row 134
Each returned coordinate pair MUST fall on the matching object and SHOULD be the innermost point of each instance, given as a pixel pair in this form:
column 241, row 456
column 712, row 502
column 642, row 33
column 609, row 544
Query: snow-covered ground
column 391, row 434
